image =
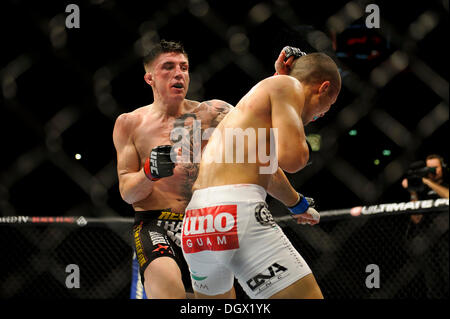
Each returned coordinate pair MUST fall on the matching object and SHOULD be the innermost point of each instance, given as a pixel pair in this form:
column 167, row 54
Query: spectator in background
column 426, row 235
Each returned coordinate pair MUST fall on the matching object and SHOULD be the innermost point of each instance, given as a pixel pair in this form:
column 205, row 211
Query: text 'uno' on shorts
column 211, row 228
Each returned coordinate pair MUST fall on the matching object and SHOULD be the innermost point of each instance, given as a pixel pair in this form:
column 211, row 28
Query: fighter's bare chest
column 152, row 132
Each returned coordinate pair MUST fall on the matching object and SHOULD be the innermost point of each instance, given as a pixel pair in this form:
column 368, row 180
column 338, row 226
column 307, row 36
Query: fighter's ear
column 324, row 87
column 148, row 78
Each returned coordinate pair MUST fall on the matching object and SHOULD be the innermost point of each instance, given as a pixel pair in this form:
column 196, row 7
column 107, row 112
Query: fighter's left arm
column 280, row 188
column 301, row 207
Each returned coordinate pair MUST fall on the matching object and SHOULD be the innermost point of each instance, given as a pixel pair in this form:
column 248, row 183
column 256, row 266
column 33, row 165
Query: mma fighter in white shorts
column 228, row 230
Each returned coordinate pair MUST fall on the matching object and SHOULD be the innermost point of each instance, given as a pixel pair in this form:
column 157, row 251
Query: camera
column 416, row 171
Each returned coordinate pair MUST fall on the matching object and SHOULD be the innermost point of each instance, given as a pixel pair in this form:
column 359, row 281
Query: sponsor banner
column 211, row 228
column 423, row 206
column 399, row 207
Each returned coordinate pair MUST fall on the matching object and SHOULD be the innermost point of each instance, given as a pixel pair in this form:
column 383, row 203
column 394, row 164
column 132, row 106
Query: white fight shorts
column 229, row 232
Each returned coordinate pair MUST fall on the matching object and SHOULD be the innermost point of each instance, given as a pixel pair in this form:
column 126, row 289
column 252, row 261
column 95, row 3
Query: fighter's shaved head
column 315, row 68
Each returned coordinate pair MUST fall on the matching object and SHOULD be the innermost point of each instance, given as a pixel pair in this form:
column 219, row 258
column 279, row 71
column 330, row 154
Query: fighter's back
column 240, row 145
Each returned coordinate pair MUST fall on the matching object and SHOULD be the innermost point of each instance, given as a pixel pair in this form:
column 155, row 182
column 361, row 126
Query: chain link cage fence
column 411, row 260
column 35, row 260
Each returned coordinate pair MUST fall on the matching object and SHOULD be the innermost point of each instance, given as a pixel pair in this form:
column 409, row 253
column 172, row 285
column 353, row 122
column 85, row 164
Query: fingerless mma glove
column 159, row 164
column 292, row 51
column 302, row 205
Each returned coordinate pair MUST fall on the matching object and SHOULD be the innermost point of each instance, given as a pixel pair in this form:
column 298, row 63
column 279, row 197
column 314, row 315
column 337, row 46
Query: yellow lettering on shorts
column 164, row 215
column 139, row 249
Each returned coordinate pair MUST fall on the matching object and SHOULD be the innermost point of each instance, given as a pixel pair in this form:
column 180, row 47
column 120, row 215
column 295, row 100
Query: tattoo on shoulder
column 221, row 108
column 219, row 105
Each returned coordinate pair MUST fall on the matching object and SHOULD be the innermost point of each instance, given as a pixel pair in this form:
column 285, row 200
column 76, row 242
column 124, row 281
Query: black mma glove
column 292, row 51
column 281, row 66
column 159, row 164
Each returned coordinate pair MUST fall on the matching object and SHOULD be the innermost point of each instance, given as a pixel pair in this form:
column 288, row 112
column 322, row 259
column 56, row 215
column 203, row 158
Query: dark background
column 62, row 90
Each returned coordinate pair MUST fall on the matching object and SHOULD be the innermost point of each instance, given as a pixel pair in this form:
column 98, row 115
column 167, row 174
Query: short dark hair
column 436, row 156
column 163, row 47
column 315, row 68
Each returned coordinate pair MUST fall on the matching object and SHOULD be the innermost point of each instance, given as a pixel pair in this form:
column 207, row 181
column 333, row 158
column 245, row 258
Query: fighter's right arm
column 133, row 184
column 287, row 101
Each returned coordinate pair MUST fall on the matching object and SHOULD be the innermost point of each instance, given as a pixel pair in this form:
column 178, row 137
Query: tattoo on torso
column 210, row 114
column 190, row 168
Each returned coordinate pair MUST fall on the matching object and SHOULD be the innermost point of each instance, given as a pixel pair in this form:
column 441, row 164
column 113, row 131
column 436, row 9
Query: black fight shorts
column 157, row 233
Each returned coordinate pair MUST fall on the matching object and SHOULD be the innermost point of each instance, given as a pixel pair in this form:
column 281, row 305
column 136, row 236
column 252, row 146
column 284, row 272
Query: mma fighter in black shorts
column 158, row 189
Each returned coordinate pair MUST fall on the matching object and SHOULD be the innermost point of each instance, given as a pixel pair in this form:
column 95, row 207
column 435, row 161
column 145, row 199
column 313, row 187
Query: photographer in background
column 426, row 238
column 426, row 181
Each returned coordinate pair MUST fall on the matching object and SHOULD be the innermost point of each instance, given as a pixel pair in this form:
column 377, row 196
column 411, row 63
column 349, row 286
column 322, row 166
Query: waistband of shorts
column 227, row 193
column 148, row 215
